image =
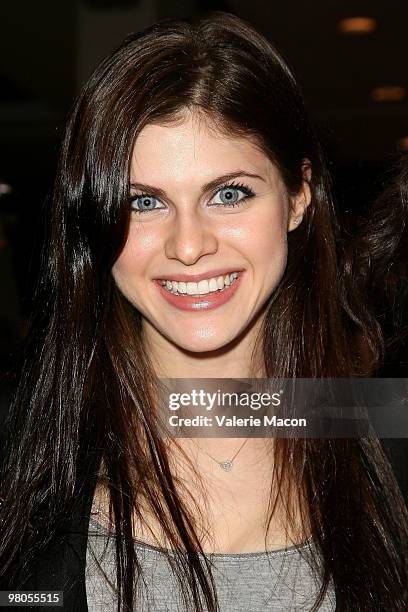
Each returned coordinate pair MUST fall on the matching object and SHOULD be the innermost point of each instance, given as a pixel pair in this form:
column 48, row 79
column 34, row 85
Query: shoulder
column 61, row 564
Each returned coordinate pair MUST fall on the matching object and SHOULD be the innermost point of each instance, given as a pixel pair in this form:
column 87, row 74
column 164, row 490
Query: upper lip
column 198, row 277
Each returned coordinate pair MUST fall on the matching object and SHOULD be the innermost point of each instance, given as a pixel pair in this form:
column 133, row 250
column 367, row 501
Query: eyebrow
column 156, row 191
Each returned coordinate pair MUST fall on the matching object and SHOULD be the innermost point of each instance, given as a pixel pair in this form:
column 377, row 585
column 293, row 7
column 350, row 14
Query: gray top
column 277, row 581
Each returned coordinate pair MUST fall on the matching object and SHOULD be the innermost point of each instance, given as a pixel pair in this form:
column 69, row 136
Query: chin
column 202, row 340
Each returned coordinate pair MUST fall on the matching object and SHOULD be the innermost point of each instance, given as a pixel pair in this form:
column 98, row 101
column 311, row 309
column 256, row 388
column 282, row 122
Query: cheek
column 272, row 243
column 136, row 255
column 263, row 239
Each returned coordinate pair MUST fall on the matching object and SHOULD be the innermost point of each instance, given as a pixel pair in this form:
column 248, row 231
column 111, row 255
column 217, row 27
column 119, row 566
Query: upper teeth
column 210, row 285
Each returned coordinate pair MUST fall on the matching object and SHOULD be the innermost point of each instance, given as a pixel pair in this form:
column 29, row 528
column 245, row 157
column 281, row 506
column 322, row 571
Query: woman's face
column 207, row 242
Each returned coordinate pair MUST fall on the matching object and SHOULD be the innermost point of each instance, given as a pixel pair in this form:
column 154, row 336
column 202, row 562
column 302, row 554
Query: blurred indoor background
column 349, row 56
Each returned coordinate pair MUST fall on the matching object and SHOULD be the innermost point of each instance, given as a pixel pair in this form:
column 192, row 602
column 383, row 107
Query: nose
column 190, row 238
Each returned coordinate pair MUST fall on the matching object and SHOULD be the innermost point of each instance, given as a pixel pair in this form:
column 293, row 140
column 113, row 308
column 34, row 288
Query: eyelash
column 241, row 186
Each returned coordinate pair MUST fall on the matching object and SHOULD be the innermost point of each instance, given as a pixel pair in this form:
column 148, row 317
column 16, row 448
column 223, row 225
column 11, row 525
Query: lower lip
column 204, row 302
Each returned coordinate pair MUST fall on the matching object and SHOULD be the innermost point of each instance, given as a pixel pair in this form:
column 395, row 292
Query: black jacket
column 62, row 566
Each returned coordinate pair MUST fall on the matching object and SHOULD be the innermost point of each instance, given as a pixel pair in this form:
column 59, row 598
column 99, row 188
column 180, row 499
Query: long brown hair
column 86, row 369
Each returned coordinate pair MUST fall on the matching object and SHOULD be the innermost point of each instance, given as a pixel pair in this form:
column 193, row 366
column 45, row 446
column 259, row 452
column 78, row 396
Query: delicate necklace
column 228, row 464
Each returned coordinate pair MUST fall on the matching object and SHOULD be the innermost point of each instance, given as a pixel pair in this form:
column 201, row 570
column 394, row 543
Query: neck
column 236, row 360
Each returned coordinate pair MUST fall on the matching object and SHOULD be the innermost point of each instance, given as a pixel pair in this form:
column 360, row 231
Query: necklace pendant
column 226, row 465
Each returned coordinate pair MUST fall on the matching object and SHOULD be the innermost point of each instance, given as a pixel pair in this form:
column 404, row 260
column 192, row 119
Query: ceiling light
column 388, row 94
column 5, row 188
column 357, row 25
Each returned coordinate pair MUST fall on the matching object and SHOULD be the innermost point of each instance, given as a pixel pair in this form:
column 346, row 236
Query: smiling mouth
column 206, row 287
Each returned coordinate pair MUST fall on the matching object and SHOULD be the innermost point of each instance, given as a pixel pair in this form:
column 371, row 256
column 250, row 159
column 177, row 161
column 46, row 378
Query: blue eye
column 233, row 195
column 143, row 203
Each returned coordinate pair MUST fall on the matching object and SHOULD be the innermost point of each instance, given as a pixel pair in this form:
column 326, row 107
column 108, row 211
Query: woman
column 380, row 265
column 382, row 261
column 189, row 152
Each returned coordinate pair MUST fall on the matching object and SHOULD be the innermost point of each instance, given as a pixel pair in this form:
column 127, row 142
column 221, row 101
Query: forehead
column 193, row 148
